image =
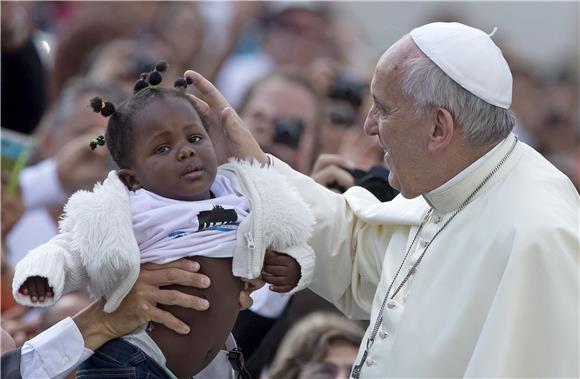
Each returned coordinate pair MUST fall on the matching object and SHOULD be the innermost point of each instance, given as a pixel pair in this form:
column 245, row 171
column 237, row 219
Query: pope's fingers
column 163, row 317
column 212, row 96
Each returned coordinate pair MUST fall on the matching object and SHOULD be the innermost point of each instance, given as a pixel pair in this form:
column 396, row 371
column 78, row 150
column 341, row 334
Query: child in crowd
column 169, row 200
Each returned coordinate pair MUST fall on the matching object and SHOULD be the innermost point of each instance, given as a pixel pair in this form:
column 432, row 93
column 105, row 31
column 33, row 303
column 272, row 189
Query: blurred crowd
column 283, row 66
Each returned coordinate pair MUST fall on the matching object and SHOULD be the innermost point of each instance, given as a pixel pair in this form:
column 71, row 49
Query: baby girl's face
column 173, row 155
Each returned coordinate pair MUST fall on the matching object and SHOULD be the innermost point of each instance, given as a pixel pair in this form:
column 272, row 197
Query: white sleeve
column 268, row 303
column 59, row 261
column 346, row 272
column 42, row 175
column 53, row 353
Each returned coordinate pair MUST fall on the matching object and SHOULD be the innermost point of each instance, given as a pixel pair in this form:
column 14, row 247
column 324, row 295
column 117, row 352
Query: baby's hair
column 118, row 135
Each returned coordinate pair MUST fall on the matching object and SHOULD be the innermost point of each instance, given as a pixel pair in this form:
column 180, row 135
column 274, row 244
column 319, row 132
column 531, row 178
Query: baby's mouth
column 192, row 171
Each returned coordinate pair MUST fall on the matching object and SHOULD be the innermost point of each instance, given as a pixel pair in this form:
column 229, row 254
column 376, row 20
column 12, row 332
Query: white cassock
column 497, row 292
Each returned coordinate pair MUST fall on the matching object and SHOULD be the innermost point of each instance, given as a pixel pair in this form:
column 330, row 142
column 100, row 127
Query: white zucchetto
column 469, row 57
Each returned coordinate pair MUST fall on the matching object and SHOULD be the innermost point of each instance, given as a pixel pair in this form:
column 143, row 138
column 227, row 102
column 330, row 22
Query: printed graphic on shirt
column 178, row 233
column 216, row 217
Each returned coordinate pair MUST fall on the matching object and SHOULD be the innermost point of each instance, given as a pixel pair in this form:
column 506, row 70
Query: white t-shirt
column 168, row 229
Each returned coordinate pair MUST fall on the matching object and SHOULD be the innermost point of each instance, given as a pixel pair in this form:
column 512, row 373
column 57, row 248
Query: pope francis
column 473, row 271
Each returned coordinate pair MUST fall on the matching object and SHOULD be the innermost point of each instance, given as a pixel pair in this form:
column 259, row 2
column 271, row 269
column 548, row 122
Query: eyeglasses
column 324, row 370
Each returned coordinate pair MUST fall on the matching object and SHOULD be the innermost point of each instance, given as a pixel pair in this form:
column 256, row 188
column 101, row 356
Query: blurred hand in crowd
column 332, row 171
column 78, row 166
column 15, row 26
column 18, row 325
column 7, row 342
column 11, row 210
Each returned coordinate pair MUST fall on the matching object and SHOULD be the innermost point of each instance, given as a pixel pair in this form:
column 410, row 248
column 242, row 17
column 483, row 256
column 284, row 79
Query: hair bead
column 180, row 83
column 154, row 78
column 97, row 104
column 161, row 66
column 97, row 141
column 139, row 85
column 105, row 108
column 108, row 109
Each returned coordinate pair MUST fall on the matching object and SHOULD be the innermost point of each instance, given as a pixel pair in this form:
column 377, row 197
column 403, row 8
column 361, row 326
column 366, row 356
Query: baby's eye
column 162, row 149
column 194, row 139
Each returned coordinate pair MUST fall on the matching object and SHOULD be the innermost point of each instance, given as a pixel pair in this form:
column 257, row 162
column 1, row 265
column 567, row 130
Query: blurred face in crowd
column 182, row 31
column 342, row 117
column 337, row 364
column 401, row 133
column 120, row 62
column 297, row 37
column 279, row 100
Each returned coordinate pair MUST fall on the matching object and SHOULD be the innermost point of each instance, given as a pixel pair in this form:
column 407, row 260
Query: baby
column 170, row 200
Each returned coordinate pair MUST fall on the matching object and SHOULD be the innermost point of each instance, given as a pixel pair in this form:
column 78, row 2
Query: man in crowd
column 473, row 270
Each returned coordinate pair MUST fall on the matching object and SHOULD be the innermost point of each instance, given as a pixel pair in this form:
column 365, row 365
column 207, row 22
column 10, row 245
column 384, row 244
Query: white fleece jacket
column 97, row 247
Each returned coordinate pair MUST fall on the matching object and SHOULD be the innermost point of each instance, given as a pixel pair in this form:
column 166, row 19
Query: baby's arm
column 48, row 272
column 281, row 271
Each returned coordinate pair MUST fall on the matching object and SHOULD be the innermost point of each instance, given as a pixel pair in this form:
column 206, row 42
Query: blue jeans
column 120, row 359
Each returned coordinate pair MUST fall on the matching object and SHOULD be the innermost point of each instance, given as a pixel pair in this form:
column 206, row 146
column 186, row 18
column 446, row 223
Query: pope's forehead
column 392, row 63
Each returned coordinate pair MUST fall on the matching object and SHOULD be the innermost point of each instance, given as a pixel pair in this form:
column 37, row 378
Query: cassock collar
column 450, row 195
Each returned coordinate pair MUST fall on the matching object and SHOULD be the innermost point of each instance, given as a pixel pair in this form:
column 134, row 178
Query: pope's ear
column 128, row 178
column 442, row 130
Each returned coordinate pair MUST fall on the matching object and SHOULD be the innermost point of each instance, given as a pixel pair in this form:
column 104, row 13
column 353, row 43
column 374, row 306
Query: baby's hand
column 37, row 288
column 281, row 271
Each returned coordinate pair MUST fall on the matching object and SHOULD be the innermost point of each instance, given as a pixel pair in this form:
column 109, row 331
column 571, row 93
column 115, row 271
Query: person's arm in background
column 74, row 167
column 58, row 350
column 24, row 86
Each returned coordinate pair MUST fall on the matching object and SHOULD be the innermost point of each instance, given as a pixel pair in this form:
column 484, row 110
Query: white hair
column 428, row 86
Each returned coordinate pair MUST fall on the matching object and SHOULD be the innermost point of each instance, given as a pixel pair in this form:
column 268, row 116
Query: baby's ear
column 128, row 178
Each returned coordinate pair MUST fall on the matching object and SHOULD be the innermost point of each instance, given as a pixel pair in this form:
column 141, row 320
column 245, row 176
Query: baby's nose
column 185, row 153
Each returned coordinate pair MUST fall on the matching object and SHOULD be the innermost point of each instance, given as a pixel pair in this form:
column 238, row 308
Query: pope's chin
column 396, row 184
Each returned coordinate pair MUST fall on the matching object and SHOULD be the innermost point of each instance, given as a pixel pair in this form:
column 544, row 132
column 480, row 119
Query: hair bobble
column 153, row 78
column 161, row 66
column 141, row 83
column 105, row 108
column 97, row 141
column 183, row 82
column 155, row 75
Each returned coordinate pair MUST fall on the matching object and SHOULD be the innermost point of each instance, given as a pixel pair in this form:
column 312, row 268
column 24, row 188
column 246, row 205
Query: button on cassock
column 383, row 334
column 371, row 362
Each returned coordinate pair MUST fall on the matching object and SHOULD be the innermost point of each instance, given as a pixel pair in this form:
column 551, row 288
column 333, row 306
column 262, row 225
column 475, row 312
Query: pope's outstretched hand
column 229, row 135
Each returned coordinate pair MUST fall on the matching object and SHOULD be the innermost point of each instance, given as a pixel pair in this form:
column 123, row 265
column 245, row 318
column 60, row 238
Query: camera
column 375, row 180
column 287, row 131
column 348, row 90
